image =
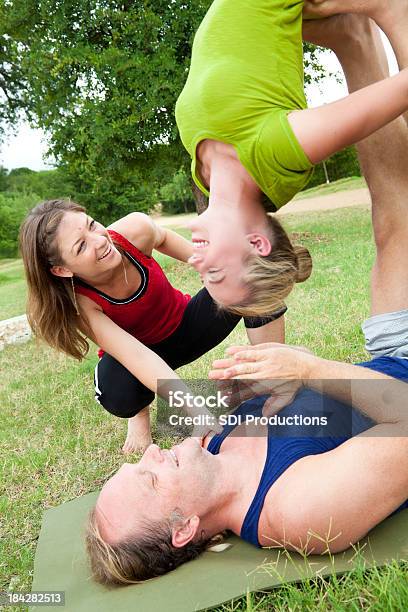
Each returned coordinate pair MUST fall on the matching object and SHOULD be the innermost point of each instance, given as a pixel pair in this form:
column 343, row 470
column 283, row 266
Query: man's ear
column 184, row 531
column 61, row 271
column 260, row 244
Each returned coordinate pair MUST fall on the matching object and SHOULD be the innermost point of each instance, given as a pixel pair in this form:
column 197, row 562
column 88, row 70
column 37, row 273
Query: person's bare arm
column 271, row 332
column 172, row 244
column 324, row 130
column 334, row 499
column 280, row 365
column 382, row 398
column 330, row 501
column 146, row 235
column 141, row 361
column 383, row 157
column 150, row 369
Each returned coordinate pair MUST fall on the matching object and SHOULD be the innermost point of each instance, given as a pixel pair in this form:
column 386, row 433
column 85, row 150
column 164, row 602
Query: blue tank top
column 286, row 445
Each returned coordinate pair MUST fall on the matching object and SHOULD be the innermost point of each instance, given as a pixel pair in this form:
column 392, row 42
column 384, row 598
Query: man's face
column 152, row 489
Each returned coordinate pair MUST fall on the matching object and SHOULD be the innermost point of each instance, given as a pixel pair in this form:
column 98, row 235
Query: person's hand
column 280, row 393
column 208, row 423
column 336, row 32
column 274, row 369
column 319, row 9
column 262, row 361
column 239, row 391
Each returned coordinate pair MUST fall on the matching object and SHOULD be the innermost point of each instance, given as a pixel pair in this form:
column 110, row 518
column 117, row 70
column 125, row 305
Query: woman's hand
column 208, row 423
column 338, row 32
column 274, row 369
column 311, row 10
column 320, row 9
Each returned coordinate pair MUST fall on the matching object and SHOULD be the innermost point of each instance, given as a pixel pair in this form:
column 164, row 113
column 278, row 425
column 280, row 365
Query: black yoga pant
column 202, row 327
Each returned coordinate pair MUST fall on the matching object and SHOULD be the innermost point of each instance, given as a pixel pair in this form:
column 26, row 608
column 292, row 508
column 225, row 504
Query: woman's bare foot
column 138, row 434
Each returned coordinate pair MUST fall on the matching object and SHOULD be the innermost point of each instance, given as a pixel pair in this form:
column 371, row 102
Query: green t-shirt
column 246, row 75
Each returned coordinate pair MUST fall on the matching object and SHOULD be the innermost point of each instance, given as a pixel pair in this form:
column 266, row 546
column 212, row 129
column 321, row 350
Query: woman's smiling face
column 85, row 247
column 222, row 247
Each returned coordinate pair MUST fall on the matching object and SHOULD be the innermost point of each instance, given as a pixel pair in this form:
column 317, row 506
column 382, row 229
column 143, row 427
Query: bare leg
column 390, row 15
column 383, row 157
column 324, row 130
column 138, row 435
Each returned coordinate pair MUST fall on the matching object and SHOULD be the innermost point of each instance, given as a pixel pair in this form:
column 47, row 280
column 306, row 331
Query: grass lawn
column 12, row 288
column 346, row 184
column 56, row 443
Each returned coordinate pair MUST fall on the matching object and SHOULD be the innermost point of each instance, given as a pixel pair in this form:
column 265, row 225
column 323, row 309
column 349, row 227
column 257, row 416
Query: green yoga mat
column 214, row 578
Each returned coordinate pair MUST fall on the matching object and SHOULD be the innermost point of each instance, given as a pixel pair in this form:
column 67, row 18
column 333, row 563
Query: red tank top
column 154, row 311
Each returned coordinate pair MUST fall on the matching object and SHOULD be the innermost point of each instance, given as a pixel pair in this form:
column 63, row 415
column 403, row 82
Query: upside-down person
column 243, row 119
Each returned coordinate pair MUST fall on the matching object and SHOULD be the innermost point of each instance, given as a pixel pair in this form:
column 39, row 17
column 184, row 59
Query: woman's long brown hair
column 51, row 305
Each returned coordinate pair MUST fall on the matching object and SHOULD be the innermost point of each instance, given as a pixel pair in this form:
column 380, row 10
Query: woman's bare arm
column 146, row 235
column 271, row 332
column 141, row 361
column 324, row 130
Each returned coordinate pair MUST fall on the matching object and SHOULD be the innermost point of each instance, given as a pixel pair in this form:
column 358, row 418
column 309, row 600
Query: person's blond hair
column 270, row 279
column 138, row 557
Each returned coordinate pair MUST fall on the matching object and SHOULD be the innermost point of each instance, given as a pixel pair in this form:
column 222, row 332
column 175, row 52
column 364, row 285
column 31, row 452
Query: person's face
column 221, row 249
column 85, row 247
column 162, row 481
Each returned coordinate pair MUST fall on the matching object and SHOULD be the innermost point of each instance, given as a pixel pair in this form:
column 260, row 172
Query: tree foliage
column 20, row 190
column 341, row 165
column 101, row 77
column 104, row 76
column 13, row 208
column 13, row 85
column 177, row 196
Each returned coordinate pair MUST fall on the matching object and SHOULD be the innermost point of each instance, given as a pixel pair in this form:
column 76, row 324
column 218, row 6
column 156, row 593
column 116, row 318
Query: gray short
column 387, row 334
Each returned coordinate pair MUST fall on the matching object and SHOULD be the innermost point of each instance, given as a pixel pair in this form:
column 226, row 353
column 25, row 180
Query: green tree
column 103, row 78
column 340, row 165
column 13, row 86
column 22, row 180
column 13, row 208
column 3, row 178
column 177, row 195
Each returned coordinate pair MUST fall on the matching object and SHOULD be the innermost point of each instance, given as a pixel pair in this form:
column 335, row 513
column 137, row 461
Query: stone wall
column 14, row 330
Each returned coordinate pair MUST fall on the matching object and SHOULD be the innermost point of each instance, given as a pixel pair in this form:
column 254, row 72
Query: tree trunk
column 201, row 201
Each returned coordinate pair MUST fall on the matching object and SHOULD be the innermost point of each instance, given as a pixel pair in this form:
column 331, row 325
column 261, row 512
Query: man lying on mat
column 310, row 493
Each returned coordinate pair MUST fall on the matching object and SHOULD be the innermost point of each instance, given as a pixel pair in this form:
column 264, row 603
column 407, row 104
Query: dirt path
column 341, row 199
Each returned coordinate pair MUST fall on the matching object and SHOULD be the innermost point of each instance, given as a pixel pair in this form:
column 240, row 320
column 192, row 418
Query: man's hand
column 274, row 369
column 281, row 393
column 263, row 361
